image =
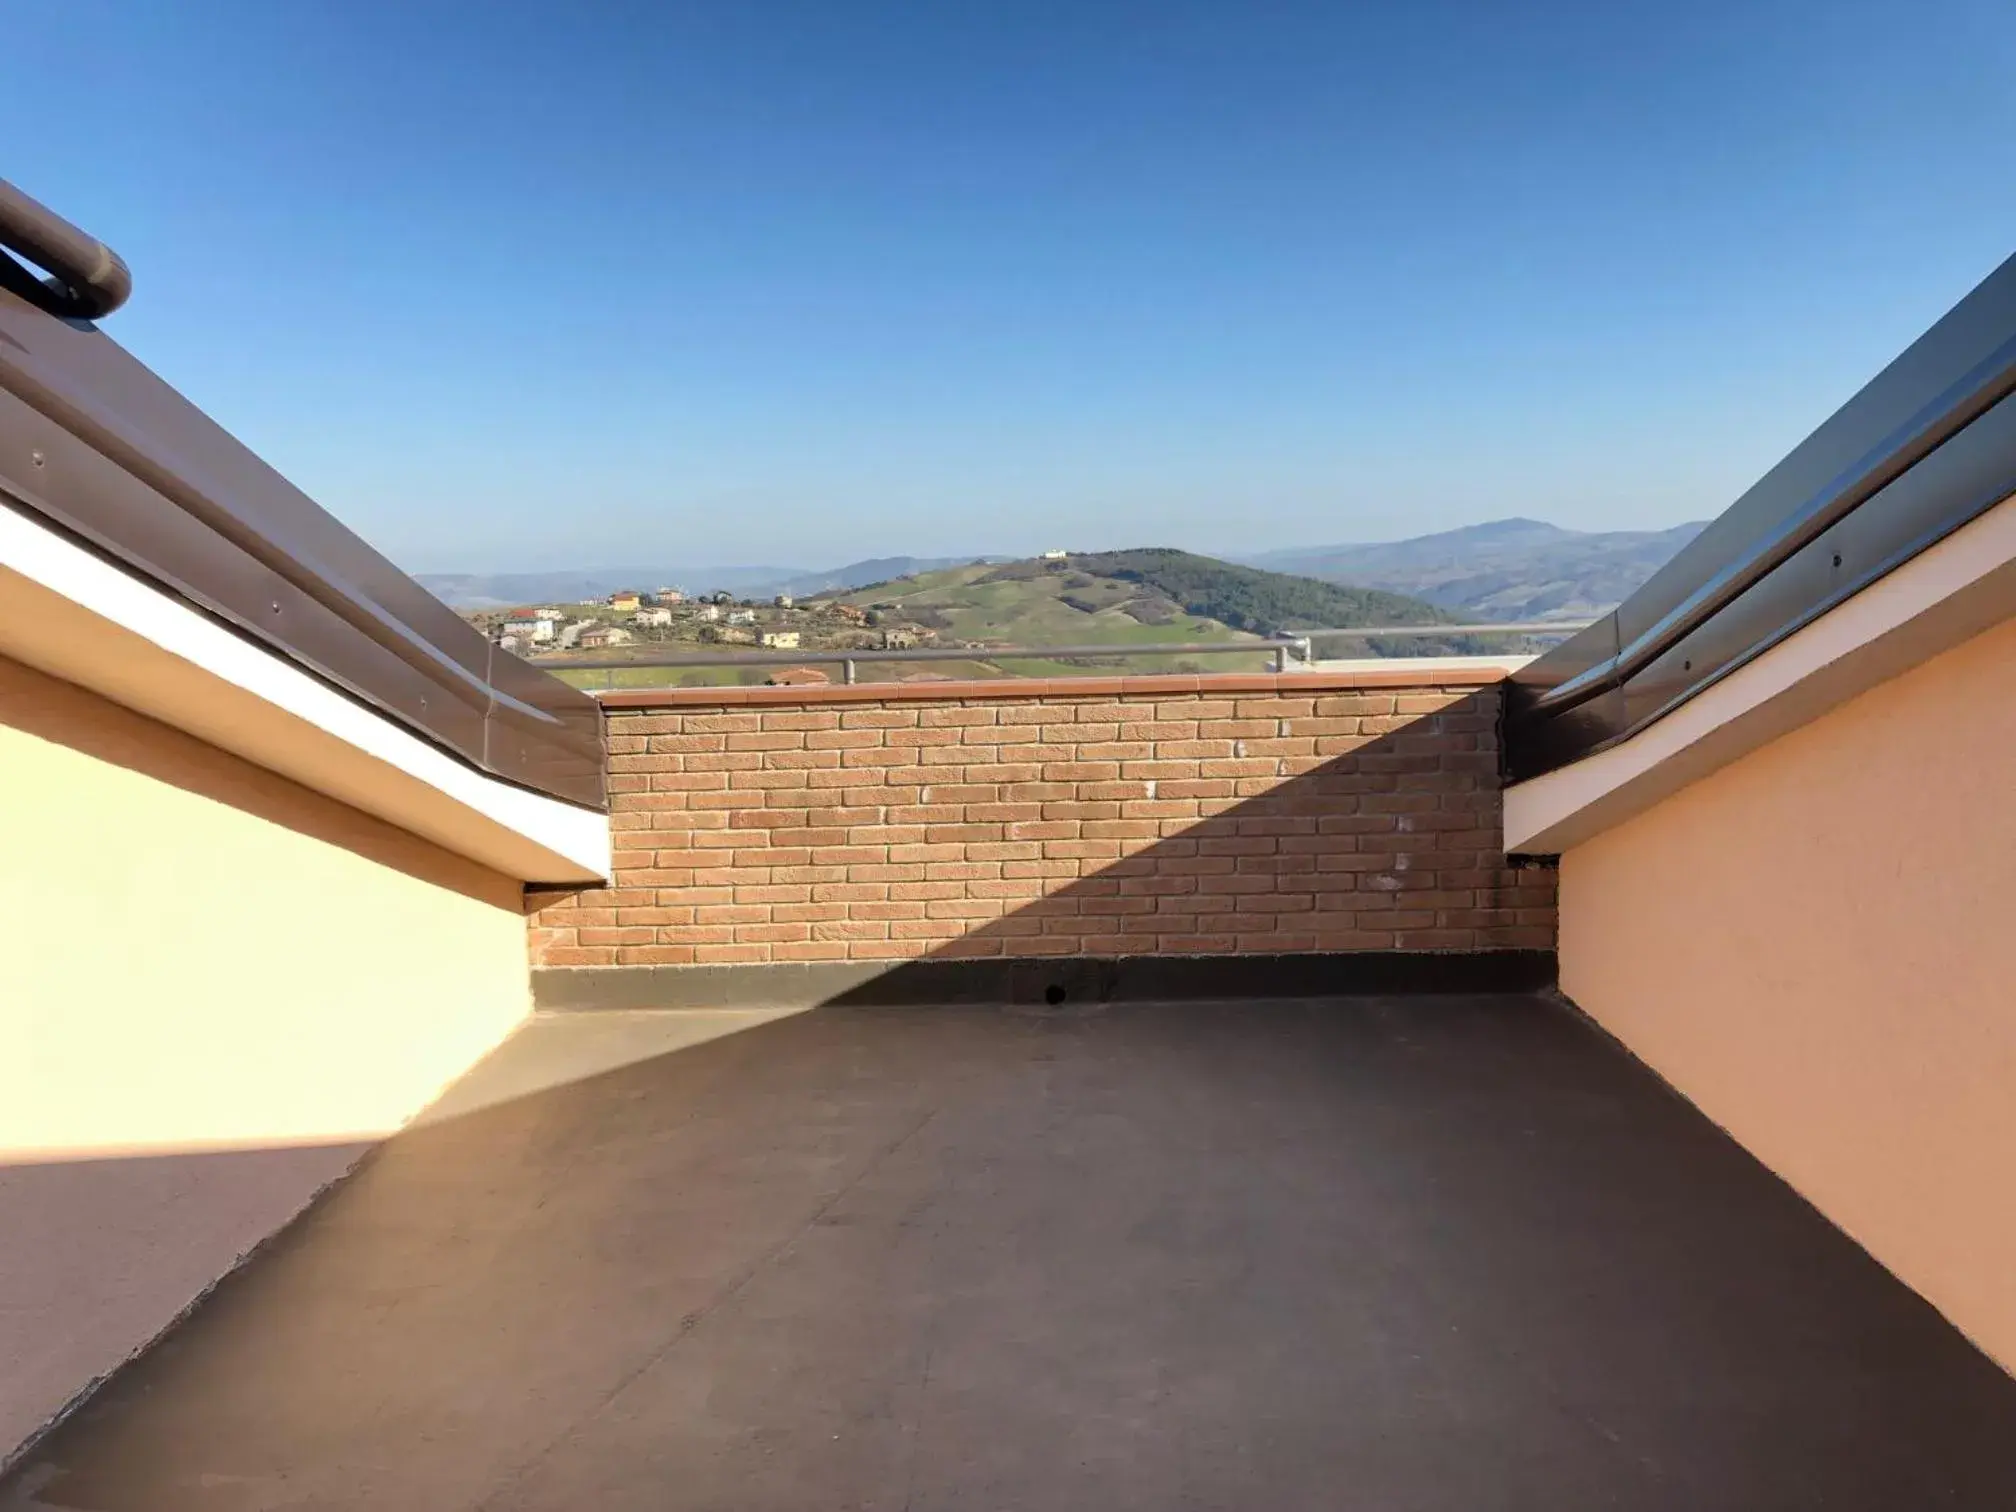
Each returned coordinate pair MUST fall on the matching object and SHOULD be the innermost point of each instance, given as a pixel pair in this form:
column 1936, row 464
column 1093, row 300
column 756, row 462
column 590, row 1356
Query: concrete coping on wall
column 1453, row 673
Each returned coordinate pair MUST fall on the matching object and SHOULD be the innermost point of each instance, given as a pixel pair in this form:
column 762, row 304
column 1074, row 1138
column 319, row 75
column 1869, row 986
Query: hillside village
column 635, row 622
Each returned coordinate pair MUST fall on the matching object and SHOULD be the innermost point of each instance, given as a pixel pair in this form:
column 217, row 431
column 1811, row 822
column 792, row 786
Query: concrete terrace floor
column 1429, row 1253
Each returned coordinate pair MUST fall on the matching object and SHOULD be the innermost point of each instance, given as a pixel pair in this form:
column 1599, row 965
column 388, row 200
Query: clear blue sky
column 515, row 286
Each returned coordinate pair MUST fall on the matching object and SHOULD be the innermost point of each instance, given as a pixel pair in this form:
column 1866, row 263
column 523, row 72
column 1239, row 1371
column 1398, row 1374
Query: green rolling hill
column 1140, row 598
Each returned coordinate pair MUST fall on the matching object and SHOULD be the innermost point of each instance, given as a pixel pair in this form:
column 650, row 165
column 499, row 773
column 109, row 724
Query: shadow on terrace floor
column 1440, row 1254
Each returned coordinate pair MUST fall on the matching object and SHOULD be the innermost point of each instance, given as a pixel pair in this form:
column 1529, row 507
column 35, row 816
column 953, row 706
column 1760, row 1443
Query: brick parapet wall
column 1087, row 817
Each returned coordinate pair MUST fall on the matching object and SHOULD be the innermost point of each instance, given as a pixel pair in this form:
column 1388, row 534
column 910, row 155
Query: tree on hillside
column 1248, row 598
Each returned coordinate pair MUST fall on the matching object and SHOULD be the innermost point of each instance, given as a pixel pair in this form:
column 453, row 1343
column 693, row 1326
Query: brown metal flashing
column 94, row 442
column 1285, row 684
column 1926, row 446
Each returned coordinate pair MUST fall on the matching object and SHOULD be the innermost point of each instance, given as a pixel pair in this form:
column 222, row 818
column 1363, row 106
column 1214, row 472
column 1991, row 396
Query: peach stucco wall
column 1817, row 945
column 216, row 989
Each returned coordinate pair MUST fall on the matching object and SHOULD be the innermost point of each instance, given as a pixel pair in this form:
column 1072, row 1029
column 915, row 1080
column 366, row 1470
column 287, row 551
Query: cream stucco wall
column 1817, row 945
column 217, row 988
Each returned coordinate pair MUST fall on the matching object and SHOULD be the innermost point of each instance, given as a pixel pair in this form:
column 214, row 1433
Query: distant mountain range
column 497, row 590
column 1501, row 570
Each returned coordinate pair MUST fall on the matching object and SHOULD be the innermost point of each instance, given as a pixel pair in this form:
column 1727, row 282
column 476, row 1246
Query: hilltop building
column 531, row 624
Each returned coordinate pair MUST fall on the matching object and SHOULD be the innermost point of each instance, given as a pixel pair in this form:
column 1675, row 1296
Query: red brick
column 881, row 950
column 1244, row 767
column 963, row 834
column 1002, row 813
column 732, row 913
column 801, row 719
column 842, row 740
column 656, row 917
column 914, row 892
column 771, row 934
column 815, row 913
column 959, row 715
column 851, row 929
column 1080, row 771
column 1120, row 829
column 1010, row 736
column 1080, row 811
column 773, row 893
column 655, row 955
column 767, row 740
column 1276, row 708
column 1216, row 787
column 1053, row 870
column 924, row 929
column 1081, row 850
column 810, row 950
column 1046, row 829
column 565, row 955
column 851, row 892
column 927, row 813
column 885, row 911
column 1004, row 850
column 919, row 738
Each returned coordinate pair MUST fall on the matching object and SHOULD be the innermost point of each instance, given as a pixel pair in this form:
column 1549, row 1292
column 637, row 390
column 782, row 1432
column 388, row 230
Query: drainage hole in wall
column 1053, row 994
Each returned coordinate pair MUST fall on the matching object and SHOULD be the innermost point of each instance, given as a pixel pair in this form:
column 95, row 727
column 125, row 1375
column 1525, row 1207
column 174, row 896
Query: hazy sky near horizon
column 515, row 286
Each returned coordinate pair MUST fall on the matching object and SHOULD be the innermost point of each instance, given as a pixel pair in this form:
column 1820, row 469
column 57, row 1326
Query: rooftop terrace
column 1423, row 1252
column 1001, row 1094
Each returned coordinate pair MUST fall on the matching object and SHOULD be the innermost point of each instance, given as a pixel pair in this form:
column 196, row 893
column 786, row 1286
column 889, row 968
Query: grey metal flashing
column 1926, row 446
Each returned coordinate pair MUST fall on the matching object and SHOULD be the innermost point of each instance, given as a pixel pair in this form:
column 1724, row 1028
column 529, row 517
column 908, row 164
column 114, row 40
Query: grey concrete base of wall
column 1052, row 982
